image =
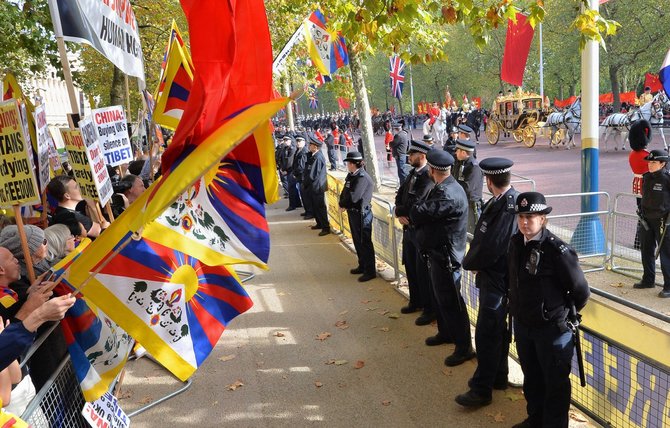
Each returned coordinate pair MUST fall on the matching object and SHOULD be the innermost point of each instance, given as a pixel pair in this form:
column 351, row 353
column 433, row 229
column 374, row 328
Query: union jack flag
column 397, row 74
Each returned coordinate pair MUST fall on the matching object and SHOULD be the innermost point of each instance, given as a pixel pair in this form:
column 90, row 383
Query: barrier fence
column 625, row 358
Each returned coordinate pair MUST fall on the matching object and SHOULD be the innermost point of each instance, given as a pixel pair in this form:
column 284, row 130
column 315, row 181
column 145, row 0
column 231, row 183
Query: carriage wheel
column 529, row 136
column 493, row 132
column 558, row 137
column 517, row 134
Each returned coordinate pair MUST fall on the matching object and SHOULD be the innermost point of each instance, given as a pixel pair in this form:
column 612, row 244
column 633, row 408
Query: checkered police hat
column 495, row 166
column 532, row 203
column 419, row 147
column 439, row 160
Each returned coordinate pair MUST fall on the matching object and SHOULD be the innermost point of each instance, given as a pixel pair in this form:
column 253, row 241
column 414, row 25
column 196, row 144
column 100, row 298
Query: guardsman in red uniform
column 638, row 137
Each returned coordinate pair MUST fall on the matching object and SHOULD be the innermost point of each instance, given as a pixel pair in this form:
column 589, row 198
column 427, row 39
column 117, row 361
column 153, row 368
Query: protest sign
column 112, row 130
column 16, row 166
column 105, row 412
column 76, row 153
column 43, row 143
column 103, row 183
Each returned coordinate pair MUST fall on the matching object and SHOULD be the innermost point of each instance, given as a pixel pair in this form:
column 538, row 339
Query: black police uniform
column 356, row 198
column 441, row 220
column 332, row 153
column 295, row 177
column 399, row 147
column 655, row 207
column 545, row 279
column 488, row 257
column 304, row 188
column 315, row 183
column 415, row 188
column 470, row 176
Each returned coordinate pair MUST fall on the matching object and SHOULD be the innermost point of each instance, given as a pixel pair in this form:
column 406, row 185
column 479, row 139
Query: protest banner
column 76, row 153
column 112, row 131
column 16, row 166
column 44, row 142
column 103, row 183
column 105, row 412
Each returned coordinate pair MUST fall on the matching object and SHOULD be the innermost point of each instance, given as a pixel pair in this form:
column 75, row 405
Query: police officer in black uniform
column 356, row 198
column 546, row 289
column 654, row 210
column 399, row 147
column 314, row 181
column 441, row 221
column 304, row 190
column 469, row 175
column 415, row 187
column 297, row 170
column 488, row 258
column 330, row 145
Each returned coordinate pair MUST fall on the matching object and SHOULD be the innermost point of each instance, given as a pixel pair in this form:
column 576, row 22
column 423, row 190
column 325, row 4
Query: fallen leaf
column 384, row 329
column 329, row 362
column 386, row 403
column 383, row 312
column 359, row 364
column 365, row 302
column 279, row 334
column 340, row 362
column 233, row 386
column 342, row 325
column 318, row 384
column 343, row 312
column 578, row 417
column 393, row 316
column 447, row 372
column 498, row 417
column 145, row 400
column 513, row 396
column 617, row 284
column 227, row 357
column 125, row 394
column 323, row 336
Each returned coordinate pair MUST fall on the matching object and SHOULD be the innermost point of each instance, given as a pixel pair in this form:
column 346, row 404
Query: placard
column 105, row 412
column 44, row 141
column 76, row 154
column 112, row 130
column 103, row 183
column 18, row 182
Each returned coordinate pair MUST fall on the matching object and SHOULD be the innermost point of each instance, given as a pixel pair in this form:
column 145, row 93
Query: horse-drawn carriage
column 518, row 115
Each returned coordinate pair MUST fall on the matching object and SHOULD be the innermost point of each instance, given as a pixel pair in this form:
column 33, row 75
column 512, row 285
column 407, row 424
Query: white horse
column 439, row 129
column 564, row 122
column 619, row 123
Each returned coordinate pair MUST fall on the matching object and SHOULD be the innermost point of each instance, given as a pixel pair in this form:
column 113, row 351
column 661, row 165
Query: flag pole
column 411, row 87
column 541, row 67
column 67, row 73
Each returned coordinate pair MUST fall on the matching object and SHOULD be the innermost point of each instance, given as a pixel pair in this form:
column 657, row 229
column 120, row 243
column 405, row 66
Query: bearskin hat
column 639, row 135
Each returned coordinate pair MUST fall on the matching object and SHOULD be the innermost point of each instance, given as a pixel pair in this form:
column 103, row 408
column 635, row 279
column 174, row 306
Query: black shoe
column 290, row 208
column 367, row 277
column 498, row 385
column 641, row 284
column 425, row 319
column 324, row 232
column 356, row 271
column 472, row 399
column 437, row 340
column 409, row 309
column 664, row 294
column 315, row 227
column 524, row 424
column 309, row 216
column 459, row 357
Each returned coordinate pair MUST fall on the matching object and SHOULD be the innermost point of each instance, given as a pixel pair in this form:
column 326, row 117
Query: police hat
column 657, row 155
column 428, row 139
column 397, row 125
column 439, row 160
column 353, row 157
column 299, row 138
column 639, row 135
column 315, row 141
column 464, row 129
column 495, row 166
column 532, row 203
column 419, row 147
column 468, row 146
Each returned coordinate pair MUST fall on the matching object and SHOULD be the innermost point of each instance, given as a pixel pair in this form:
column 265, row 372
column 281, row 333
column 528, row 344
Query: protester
column 37, row 244
column 72, row 207
column 60, row 242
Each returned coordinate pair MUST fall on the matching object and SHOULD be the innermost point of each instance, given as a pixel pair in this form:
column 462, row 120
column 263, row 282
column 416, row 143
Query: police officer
column 469, row 175
column 655, row 207
column 488, row 258
column 545, row 282
column 441, row 221
column 295, row 177
column 399, row 146
column 330, row 145
column 415, row 187
column 314, row 182
column 356, row 198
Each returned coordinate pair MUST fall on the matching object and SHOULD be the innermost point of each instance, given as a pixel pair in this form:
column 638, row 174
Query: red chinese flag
column 517, row 46
column 232, row 56
column 653, row 82
column 343, row 103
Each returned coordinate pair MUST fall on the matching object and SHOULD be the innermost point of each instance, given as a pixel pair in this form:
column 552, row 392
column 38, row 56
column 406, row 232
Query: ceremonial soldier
column 654, row 217
column 469, row 175
column 399, row 147
column 413, row 189
column 546, row 289
column 441, row 221
column 638, row 137
column 314, row 182
column 487, row 257
column 356, row 198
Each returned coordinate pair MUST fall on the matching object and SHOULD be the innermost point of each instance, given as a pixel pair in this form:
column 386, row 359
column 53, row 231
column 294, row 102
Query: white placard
column 112, row 130
column 94, row 154
column 43, row 143
column 105, row 412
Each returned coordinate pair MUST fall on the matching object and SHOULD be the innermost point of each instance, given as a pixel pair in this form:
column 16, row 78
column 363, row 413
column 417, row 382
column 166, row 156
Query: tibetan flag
column 8, row 297
column 664, row 74
column 517, row 46
column 176, row 306
column 652, row 81
column 327, row 50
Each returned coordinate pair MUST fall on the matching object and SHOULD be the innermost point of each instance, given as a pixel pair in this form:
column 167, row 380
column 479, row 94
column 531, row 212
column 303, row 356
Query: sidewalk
column 371, row 368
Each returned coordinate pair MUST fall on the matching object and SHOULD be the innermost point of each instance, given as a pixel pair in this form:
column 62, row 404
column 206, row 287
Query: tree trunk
column 117, row 92
column 365, row 116
column 614, row 80
column 289, row 108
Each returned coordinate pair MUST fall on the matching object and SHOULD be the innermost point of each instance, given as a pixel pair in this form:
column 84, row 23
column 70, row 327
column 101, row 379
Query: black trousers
column 360, row 223
column 648, row 242
column 319, row 209
column 306, row 195
column 450, row 309
column 332, row 157
column 491, row 340
column 418, row 278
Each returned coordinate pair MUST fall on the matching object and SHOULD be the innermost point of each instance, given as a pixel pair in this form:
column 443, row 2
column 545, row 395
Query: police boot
column 459, row 357
column 425, row 318
column 664, row 294
column 473, row 399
